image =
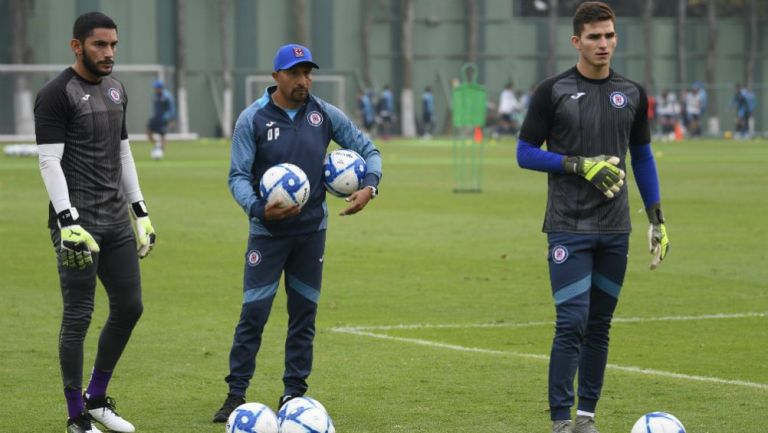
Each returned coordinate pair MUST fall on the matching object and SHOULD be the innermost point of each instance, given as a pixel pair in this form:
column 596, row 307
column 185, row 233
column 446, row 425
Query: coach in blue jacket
column 287, row 124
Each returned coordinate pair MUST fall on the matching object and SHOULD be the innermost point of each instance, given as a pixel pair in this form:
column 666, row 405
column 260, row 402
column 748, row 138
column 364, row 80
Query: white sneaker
column 103, row 411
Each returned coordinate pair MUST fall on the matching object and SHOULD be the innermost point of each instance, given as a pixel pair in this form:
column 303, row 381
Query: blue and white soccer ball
column 658, row 422
column 252, row 418
column 343, row 172
column 286, row 184
column 304, row 415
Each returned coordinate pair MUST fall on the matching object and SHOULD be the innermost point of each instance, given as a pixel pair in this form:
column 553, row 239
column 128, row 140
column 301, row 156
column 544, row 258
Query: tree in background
column 21, row 53
column 181, row 66
column 407, row 112
column 682, row 47
column 648, row 80
column 551, row 67
column 713, row 121
column 226, row 104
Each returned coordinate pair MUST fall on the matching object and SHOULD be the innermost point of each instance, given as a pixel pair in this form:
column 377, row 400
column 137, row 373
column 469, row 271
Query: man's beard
column 297, row 97
column 92, row 67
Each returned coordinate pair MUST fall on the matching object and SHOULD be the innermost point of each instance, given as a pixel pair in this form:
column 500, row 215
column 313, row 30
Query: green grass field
column 436, row 314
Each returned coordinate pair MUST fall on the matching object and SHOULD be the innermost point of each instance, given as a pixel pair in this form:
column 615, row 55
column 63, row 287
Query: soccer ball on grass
column 304, row 415
column 252, row 418
column 658, row 422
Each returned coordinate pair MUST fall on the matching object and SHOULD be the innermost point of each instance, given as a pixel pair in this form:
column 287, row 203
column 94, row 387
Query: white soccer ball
column 304, row 415
column 658, row 422
column 286, row 184
column 156, row 153
column 252, row 418
column 343, row 172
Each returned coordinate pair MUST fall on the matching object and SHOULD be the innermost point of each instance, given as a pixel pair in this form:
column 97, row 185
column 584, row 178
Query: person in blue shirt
column 287, row 124
column 163, row 112
column 367, row 115
column 744, row 101
column 428, row 112
column 386, row 108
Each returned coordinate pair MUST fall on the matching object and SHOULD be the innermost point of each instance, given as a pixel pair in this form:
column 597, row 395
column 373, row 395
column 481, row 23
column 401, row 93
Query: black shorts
column 157, row 125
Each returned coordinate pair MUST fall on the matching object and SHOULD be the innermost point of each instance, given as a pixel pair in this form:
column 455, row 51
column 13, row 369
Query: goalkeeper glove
column 602, row 171
column 145, row 233
column 77, row 245
column 658, row 242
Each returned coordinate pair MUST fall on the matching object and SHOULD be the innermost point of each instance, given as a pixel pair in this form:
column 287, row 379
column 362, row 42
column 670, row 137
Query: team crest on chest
column 559, row 254
column 114, row 95
column 618, row 99
column 315, row 118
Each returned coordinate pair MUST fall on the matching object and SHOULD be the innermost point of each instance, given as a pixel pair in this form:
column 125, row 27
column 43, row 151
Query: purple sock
column 75, row 405
column 98, row 386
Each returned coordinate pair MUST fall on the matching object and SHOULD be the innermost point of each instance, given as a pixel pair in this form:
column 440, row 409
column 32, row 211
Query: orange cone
column 478, row 134
column 678, row 132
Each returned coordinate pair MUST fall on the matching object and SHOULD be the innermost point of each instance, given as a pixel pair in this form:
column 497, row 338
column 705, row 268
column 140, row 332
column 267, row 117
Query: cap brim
column 292, row 64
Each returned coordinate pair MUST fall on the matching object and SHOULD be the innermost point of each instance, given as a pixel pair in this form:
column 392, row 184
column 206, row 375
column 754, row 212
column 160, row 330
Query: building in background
column 364, row 44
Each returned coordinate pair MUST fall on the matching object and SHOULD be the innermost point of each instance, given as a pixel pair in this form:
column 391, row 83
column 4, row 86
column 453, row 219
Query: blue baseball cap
column 290, row 55
column 158, row 84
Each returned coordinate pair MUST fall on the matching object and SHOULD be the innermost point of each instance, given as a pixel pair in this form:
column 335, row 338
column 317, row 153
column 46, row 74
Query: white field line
column 364, row 332
column 543, row 323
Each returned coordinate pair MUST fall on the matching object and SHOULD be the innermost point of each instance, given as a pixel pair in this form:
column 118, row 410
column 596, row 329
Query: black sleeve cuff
column 370, row 180
column 655, row 215
column 257, row 210
column 67, row 217
column 139, row 209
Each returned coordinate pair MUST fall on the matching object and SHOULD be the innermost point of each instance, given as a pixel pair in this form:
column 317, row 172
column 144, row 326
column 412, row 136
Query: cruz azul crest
column 618, row 99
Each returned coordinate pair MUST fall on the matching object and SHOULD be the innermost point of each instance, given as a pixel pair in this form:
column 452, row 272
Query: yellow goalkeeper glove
column 145, row 233
column 602, row 171
column 77, row 245
column 658, row 242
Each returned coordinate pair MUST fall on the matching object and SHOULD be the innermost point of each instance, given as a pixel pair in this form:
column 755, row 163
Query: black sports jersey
column 579, row 116
column 89, row 118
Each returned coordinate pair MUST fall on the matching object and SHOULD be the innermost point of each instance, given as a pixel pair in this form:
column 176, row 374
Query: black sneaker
column 81, row 424
column 284, row 399
column 230, row 404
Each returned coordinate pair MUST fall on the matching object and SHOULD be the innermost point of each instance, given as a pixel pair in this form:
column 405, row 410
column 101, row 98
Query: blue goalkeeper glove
column 145, row 233
column 77, row 245
column 658, row 242
column 602, row 171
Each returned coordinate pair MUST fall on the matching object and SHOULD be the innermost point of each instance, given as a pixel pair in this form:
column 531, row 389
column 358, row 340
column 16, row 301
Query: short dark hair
column 85, row 23
column 591, row 12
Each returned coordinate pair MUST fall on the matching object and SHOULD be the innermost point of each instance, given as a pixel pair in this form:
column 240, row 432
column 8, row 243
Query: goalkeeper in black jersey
column 590, row 117
column 90, row 176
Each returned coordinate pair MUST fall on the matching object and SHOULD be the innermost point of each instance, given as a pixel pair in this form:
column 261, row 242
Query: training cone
column 478, row 134
column 678, row 132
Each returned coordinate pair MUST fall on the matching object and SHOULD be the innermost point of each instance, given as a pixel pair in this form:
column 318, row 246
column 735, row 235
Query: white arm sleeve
column 49, row 157
column 130, row 179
